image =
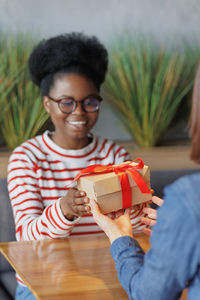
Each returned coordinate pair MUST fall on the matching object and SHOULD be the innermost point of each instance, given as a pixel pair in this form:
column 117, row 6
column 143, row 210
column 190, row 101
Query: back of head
column 195, row 119
column 73, row 52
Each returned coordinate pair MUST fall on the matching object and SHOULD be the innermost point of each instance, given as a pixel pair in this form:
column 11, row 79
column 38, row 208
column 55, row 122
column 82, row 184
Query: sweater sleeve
column 33, row 221
column 173, row 259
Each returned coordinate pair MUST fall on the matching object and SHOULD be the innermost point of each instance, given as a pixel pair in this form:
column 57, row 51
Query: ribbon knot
column 122, row 171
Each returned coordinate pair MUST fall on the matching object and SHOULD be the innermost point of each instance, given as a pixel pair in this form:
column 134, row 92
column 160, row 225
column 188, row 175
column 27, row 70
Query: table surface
column 74, row 268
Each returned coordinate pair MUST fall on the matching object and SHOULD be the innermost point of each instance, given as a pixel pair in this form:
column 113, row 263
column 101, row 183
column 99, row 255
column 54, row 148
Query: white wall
column 164, row 18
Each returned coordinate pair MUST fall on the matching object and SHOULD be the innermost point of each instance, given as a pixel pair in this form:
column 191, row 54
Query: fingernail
column 152, row 216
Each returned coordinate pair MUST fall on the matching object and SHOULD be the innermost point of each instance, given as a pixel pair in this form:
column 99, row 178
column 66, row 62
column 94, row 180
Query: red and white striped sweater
column 38, row 172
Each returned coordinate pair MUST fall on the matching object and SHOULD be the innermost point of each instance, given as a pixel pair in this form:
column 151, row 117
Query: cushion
column 9, row 283
column 7, row 227
column 159, row 179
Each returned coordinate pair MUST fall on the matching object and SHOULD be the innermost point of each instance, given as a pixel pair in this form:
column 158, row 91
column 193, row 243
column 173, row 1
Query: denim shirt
column 173, row 262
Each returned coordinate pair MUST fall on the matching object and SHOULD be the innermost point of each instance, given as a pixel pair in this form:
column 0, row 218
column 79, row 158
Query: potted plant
column 145, row 85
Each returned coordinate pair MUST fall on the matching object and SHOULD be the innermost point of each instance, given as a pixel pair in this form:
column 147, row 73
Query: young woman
column 194, row 123
column 172, row 263
column 69, row 69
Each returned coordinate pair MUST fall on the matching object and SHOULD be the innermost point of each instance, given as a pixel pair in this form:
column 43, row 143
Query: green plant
column 6, row 85
column 22, row 114
column 145, row 85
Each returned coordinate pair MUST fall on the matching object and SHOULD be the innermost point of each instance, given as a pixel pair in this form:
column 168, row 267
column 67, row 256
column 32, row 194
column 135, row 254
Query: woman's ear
column 46, row 103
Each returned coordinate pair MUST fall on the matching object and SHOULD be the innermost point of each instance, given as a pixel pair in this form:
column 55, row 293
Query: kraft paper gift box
column 106, row 188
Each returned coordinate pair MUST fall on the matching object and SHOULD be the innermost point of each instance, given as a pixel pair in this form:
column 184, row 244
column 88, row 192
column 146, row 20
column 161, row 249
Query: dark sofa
column 159, row 179
column 7, row 233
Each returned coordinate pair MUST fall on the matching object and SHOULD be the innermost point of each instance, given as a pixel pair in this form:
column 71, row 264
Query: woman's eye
column 67, row 102
column 92, row 102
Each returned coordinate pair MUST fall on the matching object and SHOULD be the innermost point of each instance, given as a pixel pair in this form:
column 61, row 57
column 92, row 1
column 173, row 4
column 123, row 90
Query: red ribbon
column 122, row 172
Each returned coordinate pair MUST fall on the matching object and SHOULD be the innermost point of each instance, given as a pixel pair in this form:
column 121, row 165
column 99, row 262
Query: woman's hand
column 74, row 204
column 151, row 218
column 116, row 226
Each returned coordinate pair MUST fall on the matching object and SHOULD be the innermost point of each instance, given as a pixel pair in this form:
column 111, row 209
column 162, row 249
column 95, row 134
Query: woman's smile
column 77, row 124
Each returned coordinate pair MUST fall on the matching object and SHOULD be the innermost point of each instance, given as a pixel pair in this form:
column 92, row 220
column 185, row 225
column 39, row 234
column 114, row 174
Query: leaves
column 145, row 85
column 22, row 114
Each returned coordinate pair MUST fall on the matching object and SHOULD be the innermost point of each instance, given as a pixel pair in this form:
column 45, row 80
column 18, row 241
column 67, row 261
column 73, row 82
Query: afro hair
column 66, row 53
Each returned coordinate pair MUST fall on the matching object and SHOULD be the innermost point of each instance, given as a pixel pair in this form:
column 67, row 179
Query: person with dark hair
column 194, row 124
column 195, row 119
column 173, row 261
column 69, row 69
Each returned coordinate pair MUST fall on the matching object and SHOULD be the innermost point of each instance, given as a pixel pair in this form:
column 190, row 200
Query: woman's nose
column 79, row 108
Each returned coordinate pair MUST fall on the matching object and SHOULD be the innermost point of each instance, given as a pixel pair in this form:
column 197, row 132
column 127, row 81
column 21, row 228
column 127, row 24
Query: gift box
column 118, row 186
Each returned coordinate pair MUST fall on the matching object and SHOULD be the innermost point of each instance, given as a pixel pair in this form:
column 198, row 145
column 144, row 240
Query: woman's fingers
column 94, row 207
column 152, row 213
column 119, row 213
column 102, row 220
column 111, row 215
column 158, row 201
column 127, row 211
column 147, row 231
column 113, row 228
column 81, row 201
column 83, row 208
column 151, row 218
column 148, row 222
column 78, row 193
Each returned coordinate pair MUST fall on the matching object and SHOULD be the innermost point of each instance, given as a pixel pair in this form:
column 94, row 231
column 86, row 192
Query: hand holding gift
column 74, row 204
column 113, row 228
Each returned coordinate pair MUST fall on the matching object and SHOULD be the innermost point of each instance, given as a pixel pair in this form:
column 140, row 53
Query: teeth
column 77, row 122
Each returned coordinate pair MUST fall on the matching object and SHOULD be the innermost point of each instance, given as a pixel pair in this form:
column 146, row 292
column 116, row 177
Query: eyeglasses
column 89, row 104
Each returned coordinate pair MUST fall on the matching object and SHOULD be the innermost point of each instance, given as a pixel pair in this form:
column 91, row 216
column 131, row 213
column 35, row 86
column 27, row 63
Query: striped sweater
column 38, row 173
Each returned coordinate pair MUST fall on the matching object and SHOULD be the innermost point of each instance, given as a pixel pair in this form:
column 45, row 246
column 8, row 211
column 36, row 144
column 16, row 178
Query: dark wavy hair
column 69, row 53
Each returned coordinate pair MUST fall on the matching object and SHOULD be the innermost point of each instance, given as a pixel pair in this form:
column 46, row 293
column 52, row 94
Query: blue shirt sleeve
column 174, row 256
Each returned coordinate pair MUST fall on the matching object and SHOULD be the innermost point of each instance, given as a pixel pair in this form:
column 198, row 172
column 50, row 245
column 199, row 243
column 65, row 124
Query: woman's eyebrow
column 64, row 96
column 72, row 97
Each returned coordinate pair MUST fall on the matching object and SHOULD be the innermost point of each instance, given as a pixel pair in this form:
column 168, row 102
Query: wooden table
column 74, row 268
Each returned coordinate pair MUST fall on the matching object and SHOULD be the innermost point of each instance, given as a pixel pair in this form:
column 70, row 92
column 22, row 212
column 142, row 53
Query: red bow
column 122, row 172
